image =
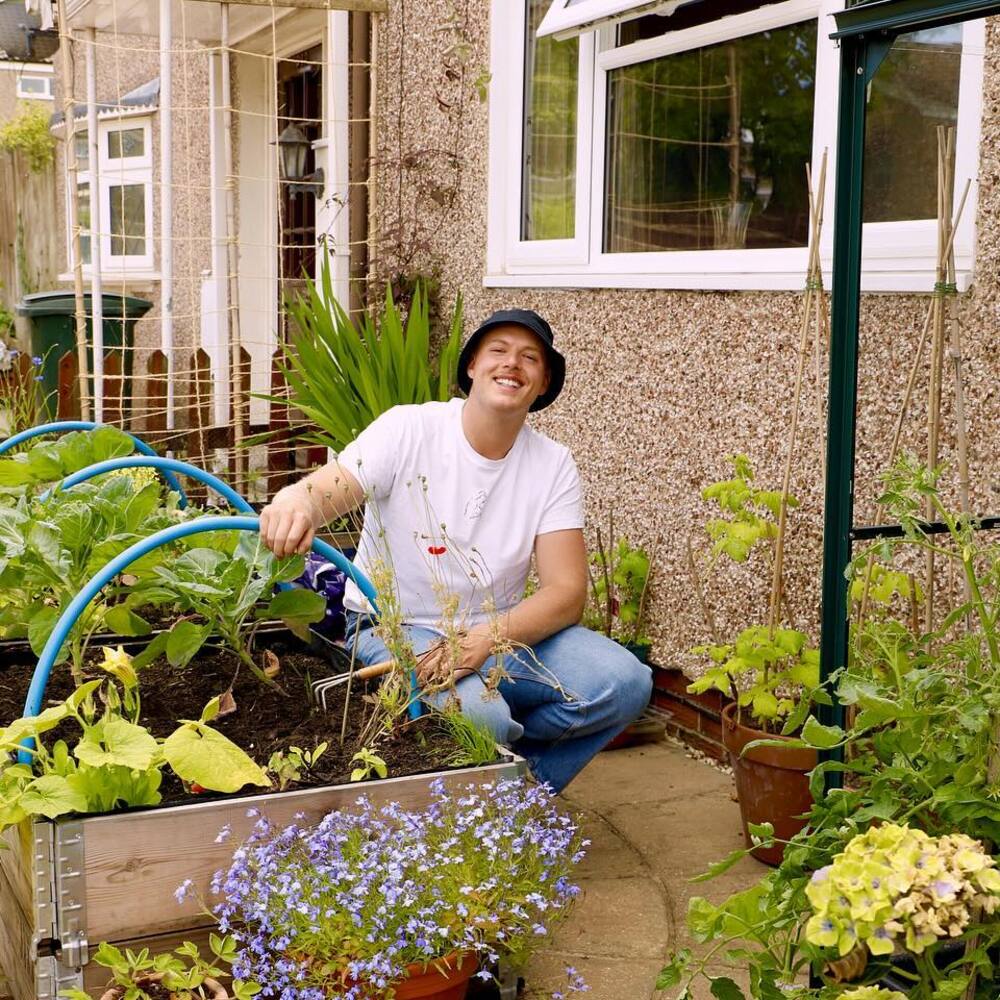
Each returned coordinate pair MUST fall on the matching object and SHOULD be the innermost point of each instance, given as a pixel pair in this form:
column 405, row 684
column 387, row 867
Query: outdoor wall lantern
column 293, row 146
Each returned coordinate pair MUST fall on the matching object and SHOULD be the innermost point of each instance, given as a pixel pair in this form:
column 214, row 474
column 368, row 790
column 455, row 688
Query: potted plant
column 891, row 891
column 399, row 903
column 770, row 671
column 619, row 585
column 182, row 974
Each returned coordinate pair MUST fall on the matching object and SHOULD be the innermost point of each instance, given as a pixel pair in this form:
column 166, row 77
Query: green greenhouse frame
column 866, row 31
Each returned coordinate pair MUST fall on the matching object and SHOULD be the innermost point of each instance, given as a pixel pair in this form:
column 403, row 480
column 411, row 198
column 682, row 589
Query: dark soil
column 266, row 719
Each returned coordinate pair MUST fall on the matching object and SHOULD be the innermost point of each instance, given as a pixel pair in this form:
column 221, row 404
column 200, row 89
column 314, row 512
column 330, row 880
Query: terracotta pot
column 772, row 783
column 213, row 989
column 432, row 984
column 441, row 980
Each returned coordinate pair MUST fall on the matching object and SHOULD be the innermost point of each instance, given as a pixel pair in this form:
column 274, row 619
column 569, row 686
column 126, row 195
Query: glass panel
column 549, row 151
column 126, row 142
column 82, row 153
column 688, row 16
column 34, row 85
column 83, row 218
column 128, row 220
column 707, row 149
column 914, row 91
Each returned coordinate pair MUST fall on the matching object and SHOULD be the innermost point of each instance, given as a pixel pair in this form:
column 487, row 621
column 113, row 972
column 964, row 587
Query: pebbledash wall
column 663, row 385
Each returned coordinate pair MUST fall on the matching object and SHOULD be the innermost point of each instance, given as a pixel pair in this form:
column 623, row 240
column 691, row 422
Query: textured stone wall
column 663, row 384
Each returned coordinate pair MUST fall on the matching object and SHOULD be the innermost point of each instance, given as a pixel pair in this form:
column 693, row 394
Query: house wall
column 663, row 385
column 123, row 63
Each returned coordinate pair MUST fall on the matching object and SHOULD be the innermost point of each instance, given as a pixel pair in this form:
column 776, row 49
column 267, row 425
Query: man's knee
column 632, row 681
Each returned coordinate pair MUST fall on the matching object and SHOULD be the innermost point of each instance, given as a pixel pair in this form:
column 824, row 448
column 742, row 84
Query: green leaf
column 184, row 640
column 718, row 867
column 725, row 989
column 297, row 608
column 125, row 622
column 672, row 973
column 51, row 796
column 201, row 755
column 154, row 649
column 40, row 628
column 821, row 737
column 116, row 741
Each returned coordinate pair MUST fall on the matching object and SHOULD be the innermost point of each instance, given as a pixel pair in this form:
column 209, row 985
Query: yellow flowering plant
column 894, row 886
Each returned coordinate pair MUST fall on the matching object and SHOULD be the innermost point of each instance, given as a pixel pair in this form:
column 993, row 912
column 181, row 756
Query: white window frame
column 897, row 256
column 564, row 21
column 28, row 95
column 113, row 173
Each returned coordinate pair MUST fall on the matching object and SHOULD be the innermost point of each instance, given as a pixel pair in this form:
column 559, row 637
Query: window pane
column 688, row 16
column 914, row 91
column 549, row 169
column 126, row 142
column 83, row 218
column 82, row 153
column 128, row 219
column 34, row 85
column 707, row 149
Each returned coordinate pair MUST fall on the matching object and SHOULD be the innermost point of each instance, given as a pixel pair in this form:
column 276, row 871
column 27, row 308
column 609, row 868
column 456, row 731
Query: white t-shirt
column 448, row 520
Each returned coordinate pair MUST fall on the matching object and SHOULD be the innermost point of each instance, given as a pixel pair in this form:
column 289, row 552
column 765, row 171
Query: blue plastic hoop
column 61, row 426
column 164, row 465
column 123, row 560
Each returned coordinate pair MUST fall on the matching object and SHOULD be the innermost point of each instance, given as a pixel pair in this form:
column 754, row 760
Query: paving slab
column 657, row 815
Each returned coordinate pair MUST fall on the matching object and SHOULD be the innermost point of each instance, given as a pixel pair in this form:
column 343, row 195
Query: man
column 460, row 495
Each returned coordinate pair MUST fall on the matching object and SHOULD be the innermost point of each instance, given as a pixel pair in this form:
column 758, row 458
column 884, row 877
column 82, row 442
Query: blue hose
column 165, row 465
column 87, row 425
column 121, row 562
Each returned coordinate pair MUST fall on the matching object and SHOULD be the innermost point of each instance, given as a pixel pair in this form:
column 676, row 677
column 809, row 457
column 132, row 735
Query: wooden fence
column 139, row 404
column 27, row 203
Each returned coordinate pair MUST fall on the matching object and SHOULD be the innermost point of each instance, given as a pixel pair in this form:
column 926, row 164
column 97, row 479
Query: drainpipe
column 360, row 164
column 69, row 122
column 167, row 201
column 96, row 230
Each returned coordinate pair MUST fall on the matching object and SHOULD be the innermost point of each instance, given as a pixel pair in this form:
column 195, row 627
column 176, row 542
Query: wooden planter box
column 66, row 885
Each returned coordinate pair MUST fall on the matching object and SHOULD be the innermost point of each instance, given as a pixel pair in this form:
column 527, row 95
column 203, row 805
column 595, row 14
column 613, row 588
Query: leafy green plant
column 341, row 375
column 28, row 133
column 116, row 762
column 288, row 766
column 44, row 461
column 619, row 583
column 369, row 763
column 183, row 972
column 223, row 590
column 769, row 670
column 475, row 744
column 49, row 551
column 920, row 758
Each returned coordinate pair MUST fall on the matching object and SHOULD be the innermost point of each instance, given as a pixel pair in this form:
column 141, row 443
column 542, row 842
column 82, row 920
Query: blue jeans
column 561, row 703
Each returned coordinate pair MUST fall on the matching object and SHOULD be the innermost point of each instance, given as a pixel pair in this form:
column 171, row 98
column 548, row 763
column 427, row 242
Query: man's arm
column 561, row 560
column 289, row 523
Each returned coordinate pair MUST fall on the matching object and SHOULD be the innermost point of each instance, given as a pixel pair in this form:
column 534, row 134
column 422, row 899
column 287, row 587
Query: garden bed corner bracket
column 71, row 894
column 46, row 922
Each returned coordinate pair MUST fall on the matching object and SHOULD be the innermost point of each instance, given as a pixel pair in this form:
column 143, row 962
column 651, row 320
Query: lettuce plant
column 116, row 762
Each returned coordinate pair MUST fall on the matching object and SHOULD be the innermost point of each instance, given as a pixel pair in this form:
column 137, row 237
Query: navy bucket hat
column 530, row 320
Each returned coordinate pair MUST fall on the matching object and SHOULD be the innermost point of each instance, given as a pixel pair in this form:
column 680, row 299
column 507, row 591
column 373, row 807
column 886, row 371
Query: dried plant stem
column 645, row 588
column 706, row 608
column 814, row 277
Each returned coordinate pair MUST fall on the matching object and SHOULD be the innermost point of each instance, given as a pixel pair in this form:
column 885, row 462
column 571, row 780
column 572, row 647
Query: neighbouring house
column 634, row 170
column 27, row 199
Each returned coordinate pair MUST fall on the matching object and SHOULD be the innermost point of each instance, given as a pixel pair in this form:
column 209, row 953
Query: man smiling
column 458, row 497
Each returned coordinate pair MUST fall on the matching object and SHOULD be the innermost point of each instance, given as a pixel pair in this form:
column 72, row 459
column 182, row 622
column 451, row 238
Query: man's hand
column 286, row 525
column 440, row 665
column 289, row 522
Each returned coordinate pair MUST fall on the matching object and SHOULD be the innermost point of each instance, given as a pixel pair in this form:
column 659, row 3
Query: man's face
column 509, row 368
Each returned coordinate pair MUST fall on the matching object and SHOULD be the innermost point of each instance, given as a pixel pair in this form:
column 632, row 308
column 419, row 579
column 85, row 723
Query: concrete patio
column 656, row 815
